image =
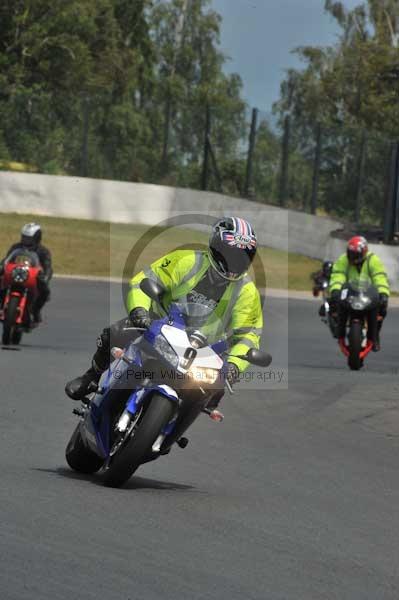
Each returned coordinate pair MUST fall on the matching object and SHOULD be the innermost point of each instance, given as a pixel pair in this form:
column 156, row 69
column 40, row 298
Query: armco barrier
column 121, row 202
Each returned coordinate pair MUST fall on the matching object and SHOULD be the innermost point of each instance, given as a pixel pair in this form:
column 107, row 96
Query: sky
column 258, row 36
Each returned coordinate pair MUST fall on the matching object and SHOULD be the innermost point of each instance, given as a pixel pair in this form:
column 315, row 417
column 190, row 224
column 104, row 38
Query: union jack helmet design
column 232, row 247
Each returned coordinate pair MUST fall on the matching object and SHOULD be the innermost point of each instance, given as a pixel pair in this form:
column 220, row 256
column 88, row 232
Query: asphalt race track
column 294, row 497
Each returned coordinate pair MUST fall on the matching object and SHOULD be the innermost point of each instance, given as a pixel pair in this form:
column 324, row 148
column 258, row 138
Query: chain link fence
column 341, row 171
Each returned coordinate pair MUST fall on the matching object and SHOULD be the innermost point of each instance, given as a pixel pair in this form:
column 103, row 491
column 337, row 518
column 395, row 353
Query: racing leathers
column 44, row 277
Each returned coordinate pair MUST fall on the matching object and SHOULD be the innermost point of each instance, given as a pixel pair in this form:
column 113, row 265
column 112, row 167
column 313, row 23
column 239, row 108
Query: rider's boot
column 38, row 304
column 322, row 311
column 376, row 338
column 377, row 343
column 79, row 387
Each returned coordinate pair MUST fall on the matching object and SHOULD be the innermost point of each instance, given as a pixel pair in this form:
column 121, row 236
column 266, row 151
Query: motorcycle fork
column 369, row 343
column 4, row 304
column 22, row 307
column 344, row 346
column 187, row 416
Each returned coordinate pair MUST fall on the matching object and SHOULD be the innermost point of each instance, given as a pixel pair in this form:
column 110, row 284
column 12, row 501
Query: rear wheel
column 79, row 457
column 10, row 331
column 131, row 455
column 355, row 346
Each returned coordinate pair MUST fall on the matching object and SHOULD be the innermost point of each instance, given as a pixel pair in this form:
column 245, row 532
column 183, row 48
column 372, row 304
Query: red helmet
column 357, row 250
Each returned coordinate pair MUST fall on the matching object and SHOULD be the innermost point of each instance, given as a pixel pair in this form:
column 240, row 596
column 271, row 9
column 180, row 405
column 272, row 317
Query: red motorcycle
column 360, row 300
column 18, row 291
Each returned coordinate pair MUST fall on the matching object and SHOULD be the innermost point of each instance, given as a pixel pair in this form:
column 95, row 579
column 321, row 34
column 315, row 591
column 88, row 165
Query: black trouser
column 43, row 295
column 115, row 335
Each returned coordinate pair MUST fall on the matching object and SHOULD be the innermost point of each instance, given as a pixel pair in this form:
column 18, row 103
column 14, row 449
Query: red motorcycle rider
column 31, row 235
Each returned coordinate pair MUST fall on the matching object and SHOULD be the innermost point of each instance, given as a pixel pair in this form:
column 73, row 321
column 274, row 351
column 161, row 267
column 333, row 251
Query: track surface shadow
column 135, row 483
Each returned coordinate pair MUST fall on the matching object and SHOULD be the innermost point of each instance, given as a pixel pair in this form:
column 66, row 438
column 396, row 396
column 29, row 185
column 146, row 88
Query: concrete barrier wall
column 121, row 202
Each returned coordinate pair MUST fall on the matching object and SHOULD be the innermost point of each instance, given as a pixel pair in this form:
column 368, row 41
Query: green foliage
column 124, row 83
column 267, row 164
column 348, row 89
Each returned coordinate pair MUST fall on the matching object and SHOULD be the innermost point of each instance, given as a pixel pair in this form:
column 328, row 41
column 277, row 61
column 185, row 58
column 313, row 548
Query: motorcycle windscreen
column 195, row 314
column 24, row 257
column 360, row 295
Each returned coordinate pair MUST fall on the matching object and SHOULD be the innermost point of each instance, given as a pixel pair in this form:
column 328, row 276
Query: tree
column 118, row 89
column 349, row 89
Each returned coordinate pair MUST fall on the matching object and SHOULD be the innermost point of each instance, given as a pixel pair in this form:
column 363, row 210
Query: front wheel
column 131, row 455
column 355, row 346
column 10, row 329
column 79, row 457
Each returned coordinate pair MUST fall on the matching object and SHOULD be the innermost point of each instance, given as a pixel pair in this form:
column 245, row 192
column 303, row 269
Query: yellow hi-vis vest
column 237, row 316
column 372, row 271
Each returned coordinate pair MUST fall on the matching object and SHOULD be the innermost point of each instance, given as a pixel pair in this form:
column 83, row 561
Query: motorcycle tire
column 79, row 457
column 132, row 454
column 10, row 332
column 355, row 346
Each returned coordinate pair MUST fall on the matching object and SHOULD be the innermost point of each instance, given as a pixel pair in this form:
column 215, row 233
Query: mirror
column 257, row 357
column 152, row 289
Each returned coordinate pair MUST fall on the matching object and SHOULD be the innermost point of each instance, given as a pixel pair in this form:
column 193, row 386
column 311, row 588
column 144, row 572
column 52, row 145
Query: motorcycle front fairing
column 171, row 331
column 359, row 298
column 96, row 426
column 96, row 429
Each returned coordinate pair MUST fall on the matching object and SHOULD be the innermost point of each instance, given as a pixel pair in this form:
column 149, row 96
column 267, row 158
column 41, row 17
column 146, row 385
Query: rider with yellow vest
column 358, row 264
column 216, row 277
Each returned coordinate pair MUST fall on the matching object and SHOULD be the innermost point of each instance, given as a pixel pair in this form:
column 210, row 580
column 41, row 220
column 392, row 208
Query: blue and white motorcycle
column 153, row 391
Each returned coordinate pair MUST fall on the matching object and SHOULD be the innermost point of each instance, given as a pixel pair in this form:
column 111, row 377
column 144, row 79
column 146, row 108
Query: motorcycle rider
column 358, row 264
column 216, row 277
column 320, row 278
column 31, row 237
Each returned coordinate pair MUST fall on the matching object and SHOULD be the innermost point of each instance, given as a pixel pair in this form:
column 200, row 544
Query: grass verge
column 81, row 247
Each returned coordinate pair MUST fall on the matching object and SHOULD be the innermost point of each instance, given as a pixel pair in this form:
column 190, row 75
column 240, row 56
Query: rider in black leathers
column 31, row 236
column 320, row 279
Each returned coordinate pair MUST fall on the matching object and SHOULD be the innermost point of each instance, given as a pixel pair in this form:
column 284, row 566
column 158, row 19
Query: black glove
column 139, row 317
column 383, row 305
column 233, row 374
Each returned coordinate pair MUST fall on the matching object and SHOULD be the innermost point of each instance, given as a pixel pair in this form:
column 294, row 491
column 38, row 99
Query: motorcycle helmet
column 232, row 247
column 31, row 235
column 327, row 268
column 357, row 250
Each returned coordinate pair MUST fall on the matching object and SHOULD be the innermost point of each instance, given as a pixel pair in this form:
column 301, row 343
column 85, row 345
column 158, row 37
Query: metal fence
column 341, row 171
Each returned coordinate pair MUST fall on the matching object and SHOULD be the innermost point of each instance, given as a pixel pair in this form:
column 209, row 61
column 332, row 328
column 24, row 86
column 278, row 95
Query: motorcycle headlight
column 357, row 305
column 203, row 375
column 359, row 302
column 163, row 347
column 20, row 274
